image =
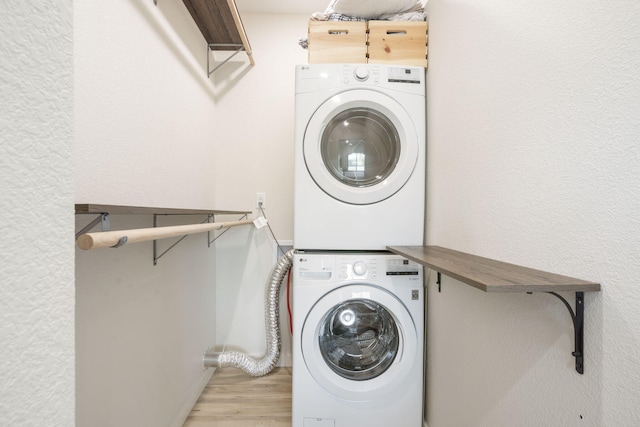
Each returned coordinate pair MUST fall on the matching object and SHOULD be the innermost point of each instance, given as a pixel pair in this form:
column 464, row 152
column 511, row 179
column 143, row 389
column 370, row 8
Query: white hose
column 243, row 361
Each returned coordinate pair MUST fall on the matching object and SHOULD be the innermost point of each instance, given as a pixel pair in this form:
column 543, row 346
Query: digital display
column 404, row 75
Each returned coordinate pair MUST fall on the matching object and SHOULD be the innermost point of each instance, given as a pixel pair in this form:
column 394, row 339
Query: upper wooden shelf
column 220, row 25
column 126, row 210
column 490, row 275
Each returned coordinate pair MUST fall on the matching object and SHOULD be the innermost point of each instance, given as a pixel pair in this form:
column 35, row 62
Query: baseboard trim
column 193, row 397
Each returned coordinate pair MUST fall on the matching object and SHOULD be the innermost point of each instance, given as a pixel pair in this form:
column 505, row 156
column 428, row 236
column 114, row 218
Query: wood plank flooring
column 235, row 399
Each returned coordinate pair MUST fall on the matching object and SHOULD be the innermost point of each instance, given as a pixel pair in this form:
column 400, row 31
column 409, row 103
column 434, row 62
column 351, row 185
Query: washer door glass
column 359, row 339
column 360, row 147
column 340, row 357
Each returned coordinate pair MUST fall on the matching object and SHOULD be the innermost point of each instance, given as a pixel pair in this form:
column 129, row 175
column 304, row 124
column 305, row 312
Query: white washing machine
column 358, row 340
column 359, row 156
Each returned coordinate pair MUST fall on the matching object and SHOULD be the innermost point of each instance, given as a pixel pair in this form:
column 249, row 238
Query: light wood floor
column 235, row 399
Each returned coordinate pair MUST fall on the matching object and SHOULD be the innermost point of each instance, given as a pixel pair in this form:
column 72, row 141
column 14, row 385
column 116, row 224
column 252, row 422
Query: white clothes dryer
column 360, row 156
column 358, row 340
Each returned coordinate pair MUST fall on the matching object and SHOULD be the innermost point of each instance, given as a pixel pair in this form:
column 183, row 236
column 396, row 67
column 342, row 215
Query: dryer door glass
column 360, row 147
column 359, row 339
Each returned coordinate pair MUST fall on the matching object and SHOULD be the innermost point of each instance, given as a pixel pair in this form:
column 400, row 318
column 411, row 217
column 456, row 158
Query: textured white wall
column 533, row 129
column 36, row 220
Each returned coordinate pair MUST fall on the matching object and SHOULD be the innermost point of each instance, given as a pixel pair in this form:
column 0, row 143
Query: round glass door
column 359, row 342
column 358, row 339
column 360, row 146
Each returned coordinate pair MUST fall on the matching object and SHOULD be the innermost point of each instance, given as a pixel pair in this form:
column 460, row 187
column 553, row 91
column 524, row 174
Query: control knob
column 359, row 268
column 361, row 74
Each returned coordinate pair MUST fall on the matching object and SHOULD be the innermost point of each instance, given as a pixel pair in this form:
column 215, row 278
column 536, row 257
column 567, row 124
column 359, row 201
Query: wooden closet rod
column 109, row 239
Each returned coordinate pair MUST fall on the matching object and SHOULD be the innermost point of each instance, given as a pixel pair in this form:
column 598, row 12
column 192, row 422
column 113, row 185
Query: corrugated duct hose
column 243, row 361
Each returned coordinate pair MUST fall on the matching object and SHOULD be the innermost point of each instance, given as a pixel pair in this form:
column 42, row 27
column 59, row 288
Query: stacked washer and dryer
column 358, row 310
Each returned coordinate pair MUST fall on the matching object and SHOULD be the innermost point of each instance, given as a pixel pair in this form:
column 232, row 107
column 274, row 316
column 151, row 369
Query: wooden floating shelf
column 135, row 210
column 221, row 26
column 490, row 275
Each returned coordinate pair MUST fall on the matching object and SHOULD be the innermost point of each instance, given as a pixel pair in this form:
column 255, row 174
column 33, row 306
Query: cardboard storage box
column 337, row 42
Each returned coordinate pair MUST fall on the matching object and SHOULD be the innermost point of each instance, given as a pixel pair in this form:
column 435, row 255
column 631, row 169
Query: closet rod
column 109, row 239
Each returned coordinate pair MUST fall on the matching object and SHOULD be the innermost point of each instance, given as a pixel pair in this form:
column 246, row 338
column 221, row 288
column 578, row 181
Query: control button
column 359, row 268
column 361, row 74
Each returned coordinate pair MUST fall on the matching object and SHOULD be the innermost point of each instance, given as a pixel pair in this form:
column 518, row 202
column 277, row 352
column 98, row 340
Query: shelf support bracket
column 102, row 219
column 157, row 256
column 210, row 241
column 577, row 318
column 239, row 48
column 210, row 218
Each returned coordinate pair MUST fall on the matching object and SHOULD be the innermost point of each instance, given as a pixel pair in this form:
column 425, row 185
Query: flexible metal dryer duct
column 243, row 361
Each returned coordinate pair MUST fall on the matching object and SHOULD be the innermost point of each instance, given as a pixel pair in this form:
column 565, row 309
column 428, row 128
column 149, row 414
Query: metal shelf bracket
column 157, row 256
column 210, row 241
column 577, row 318
column 102, row 219
column 238, row 48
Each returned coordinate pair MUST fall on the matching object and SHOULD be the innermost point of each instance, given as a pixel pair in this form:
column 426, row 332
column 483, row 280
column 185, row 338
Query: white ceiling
column 304, row 7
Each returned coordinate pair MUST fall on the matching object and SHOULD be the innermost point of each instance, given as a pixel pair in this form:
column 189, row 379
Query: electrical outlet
column 261, row 200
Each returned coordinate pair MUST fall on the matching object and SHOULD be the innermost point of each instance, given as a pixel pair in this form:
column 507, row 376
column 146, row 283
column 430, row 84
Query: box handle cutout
column 338, row 31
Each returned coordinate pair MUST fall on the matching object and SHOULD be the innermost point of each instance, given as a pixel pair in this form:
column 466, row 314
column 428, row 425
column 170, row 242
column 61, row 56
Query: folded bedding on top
column 361, row 10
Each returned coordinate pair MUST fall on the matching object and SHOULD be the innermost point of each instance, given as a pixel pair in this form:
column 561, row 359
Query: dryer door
column 359, row 342
column 360, row 146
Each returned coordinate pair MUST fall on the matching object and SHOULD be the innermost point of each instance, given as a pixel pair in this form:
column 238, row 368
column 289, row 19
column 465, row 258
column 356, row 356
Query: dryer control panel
column 319, row 77
column 373, row 74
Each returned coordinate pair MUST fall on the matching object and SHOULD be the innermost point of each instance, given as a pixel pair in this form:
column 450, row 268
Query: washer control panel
column 373, row 267
column 355, row 266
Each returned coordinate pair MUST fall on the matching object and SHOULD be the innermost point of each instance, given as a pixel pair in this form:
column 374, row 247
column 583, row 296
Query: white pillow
column 373, row 8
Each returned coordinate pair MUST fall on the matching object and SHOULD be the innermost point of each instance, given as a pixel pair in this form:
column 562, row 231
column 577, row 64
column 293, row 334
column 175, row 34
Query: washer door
column 359, row 342
column 360, row 146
